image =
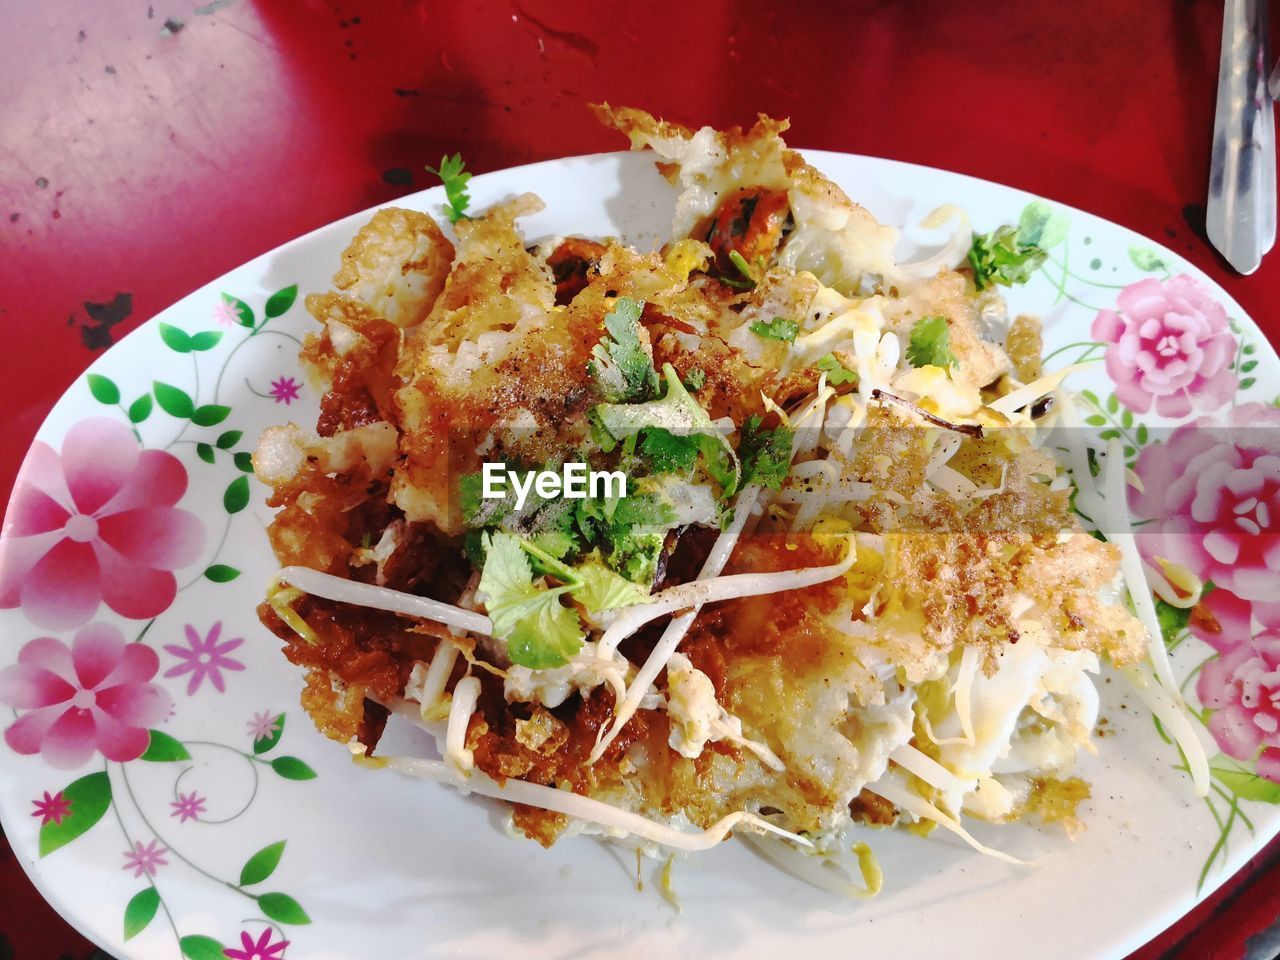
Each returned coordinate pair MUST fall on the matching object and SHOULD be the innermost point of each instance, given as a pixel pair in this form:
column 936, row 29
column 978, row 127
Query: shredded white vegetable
column 466, row 693
column 1182, row 599
column 433, row 684
column 584, row 808
column 341, row 590
column 965, row 674
column 1024, row 396
column 952, row 253
column 904, row 798
column 1173, row 717
column 697, row 593
column 927, row 769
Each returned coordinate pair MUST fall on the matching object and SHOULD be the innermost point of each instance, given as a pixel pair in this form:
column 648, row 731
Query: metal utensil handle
column 1241, row 215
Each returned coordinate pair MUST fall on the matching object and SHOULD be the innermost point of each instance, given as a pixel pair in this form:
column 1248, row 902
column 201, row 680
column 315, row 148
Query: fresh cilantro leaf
column 473, row 548
column 695, row 379
column 779, row 328
column 549, row 634
column 1004, row 257
column 765, row 454
column 556, row 543
column 679, row 415
column 635, row 555
column 930, row 343
column 720, row 461
column 600, row 436
column 602, row 589
column 540, row 631
column 476, row 510
column 621, row 363
column 479, row 512
column 453, row 175
column 837, row 373
column 630, row 531
column 668, row 453
column 642, row 510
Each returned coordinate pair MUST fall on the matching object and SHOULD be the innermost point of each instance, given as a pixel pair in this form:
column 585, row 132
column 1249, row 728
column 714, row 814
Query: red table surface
column 146, row 148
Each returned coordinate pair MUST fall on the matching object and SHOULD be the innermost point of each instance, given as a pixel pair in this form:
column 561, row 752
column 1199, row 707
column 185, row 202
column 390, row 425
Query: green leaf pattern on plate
column 84, row 802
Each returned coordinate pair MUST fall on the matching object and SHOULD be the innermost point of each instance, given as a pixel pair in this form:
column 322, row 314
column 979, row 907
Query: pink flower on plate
column 1242, row 684
column 52, row 809
column 1168, row 343
column 263, row 725
column 96, row 524
column 260, row 949
column 94, row 695
column 188, row 806
column 1211, row 499
column 226, row 313
column 204, row 657
column 145, row 858
column 285, row 390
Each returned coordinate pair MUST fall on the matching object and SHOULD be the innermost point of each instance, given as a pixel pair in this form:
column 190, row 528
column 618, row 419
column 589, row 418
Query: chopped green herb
column 540, row 631
column 837, row 373
column 765, row 454
column 668, row 453
column 631, row 532
column 695, row 379
column 1003, row 257
column 930, row 343
column 678, row 414
column 602, row 589
column 476, row 510
column 453, row 175
column 622, row 365
column 555, row 543
column 779, row 328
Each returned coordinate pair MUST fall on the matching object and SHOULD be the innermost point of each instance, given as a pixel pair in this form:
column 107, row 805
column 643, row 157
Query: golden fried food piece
column 396, row 265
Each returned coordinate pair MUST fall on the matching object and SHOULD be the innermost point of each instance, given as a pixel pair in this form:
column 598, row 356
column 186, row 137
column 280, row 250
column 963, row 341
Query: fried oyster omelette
column 845, row 584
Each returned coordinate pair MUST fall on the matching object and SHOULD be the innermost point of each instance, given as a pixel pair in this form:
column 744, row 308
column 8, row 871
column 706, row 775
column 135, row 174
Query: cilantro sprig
column 837, row 373
column 627, row 531
column 453, row 174
column 930, row 343
column 779, row 328
column 680, row 426
column 1004, row 256
column 540, row 631
column 765, row 454
column 621, row 363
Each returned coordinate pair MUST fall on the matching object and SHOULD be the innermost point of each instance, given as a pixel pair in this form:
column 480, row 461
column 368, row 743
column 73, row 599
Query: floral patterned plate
column 166, row 793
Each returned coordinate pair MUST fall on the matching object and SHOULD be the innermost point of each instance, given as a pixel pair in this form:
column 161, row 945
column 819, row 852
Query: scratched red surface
column 145, row 149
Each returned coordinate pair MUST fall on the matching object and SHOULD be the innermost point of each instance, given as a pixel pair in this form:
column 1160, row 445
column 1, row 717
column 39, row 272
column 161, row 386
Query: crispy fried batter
column 396, row 265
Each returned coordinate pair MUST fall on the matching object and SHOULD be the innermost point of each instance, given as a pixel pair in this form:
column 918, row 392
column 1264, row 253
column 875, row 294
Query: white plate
column 383, row 866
